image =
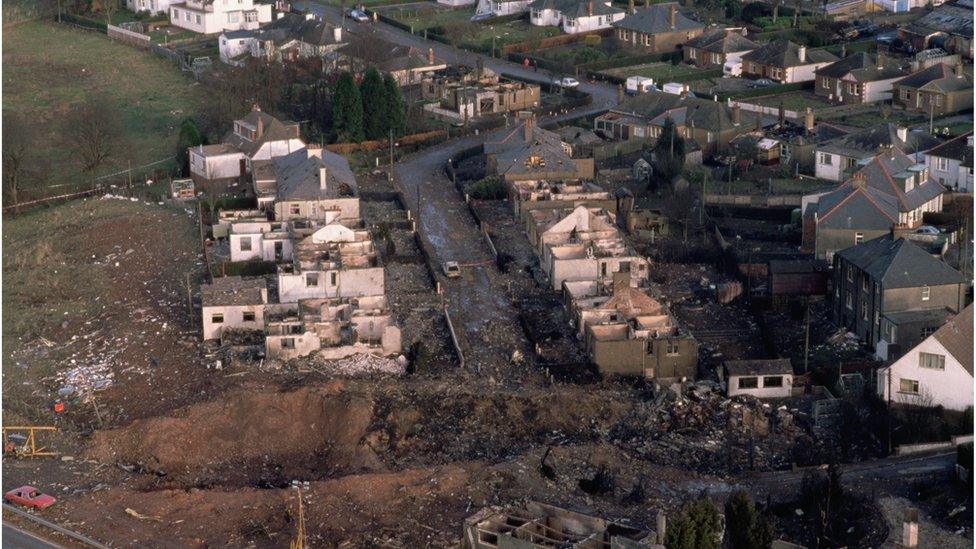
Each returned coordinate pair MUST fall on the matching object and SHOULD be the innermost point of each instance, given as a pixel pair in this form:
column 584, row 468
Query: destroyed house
column 535, row 525
column 257, row 136
column 259, row 239
column 759, row 378
column 478, row 92
column 627, row 332
column 331, row 327
column 798, row 142
column 949, row 26
column 530, row 153
column 334, row 261
column 232, row 302
column 533, row 195
column 314, row 184
column 879, row 280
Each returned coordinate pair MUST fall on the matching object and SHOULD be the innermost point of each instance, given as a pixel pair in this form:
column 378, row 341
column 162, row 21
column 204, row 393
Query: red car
column 28, row 496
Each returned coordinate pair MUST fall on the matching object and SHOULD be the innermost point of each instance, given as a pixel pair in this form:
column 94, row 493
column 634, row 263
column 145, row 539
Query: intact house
column 858, row 79
column 233, row 303
column 152, row 7
column 938, row 371
column 710, row 124
column 463, row 94
column 406, row 64
column 785, row 62
column 257, row 136
column 951, row 163
column 936, row 90
column 312, row 184
column 498, row 8
column 758, row 378
column 658, row 28
column 715, row 47
column 836, row 157
column 290, row 37
column 530, row 153
column 890, row 190
column 574, row 16
column 949, row 26
column 333, row 328
column 581, row 244
column 901, row 6
column 891, row 293
column 214, row 16
column 627, row 332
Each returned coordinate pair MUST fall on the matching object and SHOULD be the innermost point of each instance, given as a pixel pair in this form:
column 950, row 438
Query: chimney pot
column 430, row 56
column 802, row 54
column 337, row 34
column 630, row 6
column 589, row 8
column 323, row 172
column 672, row 14
column 808, row 120
column 736, row 114
column 527, row 126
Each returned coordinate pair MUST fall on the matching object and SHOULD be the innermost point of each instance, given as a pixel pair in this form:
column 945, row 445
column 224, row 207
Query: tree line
column 372, row 110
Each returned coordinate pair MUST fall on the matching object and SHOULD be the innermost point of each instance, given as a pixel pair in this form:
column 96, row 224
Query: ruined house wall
column 233, row 317
column 319, row 210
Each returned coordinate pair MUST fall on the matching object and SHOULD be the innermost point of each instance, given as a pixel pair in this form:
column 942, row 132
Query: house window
column 877, row 318
column 311, row 280
column 938, row 100
column 926, row 293
column 748, row 382
column 849, row 300
column 186, row 17
column 858, row 238
column 176, row 14
column 773, row 381
column 288, row 343
column 217, row 318
column 332, row 279
column 248, row 316
column 926, row 332
column 716, row 59
column 931, row 360
column 672, row 349
column 905, row 95
column 234, row 17
column 864, row 310
column 826, row 159
column 908, row 386
column 864, row 283
column 650, row 346
column 710, row 137
column 850, row 273
column 295, row 209
column 198, row 19
column 246, row 244
column 825, row 83
column 853, row 88
column 941, row 164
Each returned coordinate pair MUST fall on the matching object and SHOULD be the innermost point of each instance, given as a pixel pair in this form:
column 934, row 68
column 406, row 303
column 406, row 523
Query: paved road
column 15, row 538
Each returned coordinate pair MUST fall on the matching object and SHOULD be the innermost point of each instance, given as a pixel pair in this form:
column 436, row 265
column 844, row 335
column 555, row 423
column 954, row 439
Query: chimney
column 322, row 177
column 620, row 93
column 260, row 130
column 959, row 73
column 881, row 59
column 630, row 7
column 808, row 120
column 256, row 107
column 801, row 52
column 909, row 529
column 736, row 114
column 589, row 8
column 337, row 34
column 902, row 134
column 859, row 180
column 528, row 124
column 843, row 50
column 430, row 56
column 672, row 13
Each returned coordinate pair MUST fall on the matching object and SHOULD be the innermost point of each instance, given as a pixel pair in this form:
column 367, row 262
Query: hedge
column 248, row 268
column 84, row 22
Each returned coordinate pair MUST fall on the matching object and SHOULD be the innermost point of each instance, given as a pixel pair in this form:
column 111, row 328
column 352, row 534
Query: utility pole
column 806, row 343
column 390, row 175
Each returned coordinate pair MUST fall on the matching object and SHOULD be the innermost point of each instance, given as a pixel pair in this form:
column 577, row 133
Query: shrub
column 489, row 188
column 592, row 39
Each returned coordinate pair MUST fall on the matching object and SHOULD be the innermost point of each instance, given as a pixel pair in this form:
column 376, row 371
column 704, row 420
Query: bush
column 248, row 268
column 489, row 188
column 592, row 39
column 696, row 527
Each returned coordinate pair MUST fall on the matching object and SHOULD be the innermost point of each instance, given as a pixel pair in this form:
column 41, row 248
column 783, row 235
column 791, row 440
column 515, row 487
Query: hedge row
column 84, row 22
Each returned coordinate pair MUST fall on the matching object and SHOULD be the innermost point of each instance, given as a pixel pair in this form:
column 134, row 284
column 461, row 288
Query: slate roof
column 783, row 53
column 513, row 151
column 953, row 18
column 863, row 67
column 760, row 367
column 900, row 264
column 939, row 77
column 298, row 175
column 867, row 142
column 957, row 337
column 655, row 107
column 853, row 206
column 880, row 174
column 310, row 31
column 657, row 20
column 575, row 8
column 721, row 41
column 273, row 130
column 390, row 57
column 797, row 266
column 957, row 149
column 233, row 291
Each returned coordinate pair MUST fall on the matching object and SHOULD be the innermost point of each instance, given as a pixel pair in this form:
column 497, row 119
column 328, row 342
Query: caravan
column 639, row 84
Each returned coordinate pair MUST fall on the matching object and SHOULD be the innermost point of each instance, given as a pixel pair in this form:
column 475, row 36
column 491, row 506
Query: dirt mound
column 248, row 437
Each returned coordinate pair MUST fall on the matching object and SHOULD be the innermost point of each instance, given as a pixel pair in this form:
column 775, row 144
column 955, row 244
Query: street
column 15, row 538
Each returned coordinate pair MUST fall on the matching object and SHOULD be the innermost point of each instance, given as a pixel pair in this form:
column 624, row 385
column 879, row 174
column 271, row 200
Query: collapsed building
column 465, row 93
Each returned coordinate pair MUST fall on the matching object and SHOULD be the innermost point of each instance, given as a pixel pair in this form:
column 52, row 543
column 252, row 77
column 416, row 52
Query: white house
column 759, row 378
column 497, row 8
column 233, row 302
column 836, row 156
column 260, row 240
column 936, row 372
column 951, row 163
column 291, row 36
column 213, row 16
column 900, row 6
column 151, row 6
column 574, row 16
column 456, row 3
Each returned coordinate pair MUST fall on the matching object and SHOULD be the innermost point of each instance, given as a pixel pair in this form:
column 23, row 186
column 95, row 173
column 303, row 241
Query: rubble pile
column 363, row 364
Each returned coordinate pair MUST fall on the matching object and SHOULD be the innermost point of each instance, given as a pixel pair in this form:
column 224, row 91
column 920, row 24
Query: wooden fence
column 136, row 39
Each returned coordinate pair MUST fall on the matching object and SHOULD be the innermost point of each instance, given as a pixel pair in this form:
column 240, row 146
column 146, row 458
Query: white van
column 732, row 67
column 675, row 88
column 639, row 84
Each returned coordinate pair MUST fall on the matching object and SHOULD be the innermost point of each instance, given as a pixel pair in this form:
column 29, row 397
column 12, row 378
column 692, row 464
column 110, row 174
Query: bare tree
column 17, row 144
column 456, row 32
column 93, row 132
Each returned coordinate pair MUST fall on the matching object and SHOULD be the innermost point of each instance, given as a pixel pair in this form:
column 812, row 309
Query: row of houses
column 329, row 296
column 572, row 226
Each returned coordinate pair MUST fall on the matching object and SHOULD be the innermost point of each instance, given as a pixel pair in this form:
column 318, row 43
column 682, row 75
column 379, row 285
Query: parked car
column 28, row 496
column 732, row 68
column 357, row 15
column 452, row 269
column 927, row 229
column 762, row 83
column 566, row 82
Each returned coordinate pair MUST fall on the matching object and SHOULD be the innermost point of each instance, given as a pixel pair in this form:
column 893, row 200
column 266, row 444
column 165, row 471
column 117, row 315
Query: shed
column 761, row 378
column 795, row 277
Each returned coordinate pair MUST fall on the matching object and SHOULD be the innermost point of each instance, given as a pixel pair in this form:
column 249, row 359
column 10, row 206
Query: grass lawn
column 50, row 69
column 425, row 16
column 660, row 72
column 873, row 117
column 168, row 33
column 476, row 35
column 779, row 186
column 791, row 101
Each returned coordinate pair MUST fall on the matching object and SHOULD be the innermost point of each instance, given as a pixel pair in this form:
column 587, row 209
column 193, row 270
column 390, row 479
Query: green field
column 796, row 100
column 660, row 72
column 50, row 69
column 471, row 35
